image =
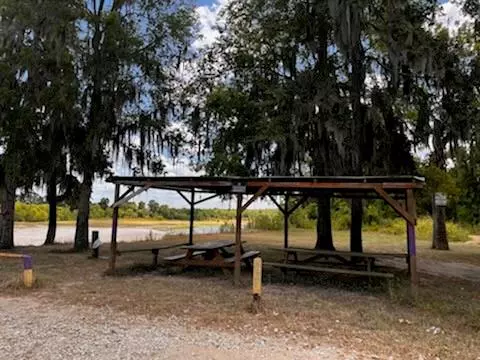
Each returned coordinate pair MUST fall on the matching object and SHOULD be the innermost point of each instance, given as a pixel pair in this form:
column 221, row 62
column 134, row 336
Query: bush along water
column 378, row 217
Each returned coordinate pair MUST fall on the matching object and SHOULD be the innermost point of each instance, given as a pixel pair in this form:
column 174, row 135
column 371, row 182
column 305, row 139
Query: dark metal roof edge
column 234, row 179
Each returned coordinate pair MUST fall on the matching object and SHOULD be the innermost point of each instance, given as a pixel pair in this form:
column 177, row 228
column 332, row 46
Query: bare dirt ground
column 474, row 240
column 441, row 268
column 35, row 329
column 450, row 269
column 159, row 313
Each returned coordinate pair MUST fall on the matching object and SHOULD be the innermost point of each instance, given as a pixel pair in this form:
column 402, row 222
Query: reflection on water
column 35, row 235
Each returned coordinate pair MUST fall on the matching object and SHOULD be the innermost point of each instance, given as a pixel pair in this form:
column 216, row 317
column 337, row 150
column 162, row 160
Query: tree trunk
column 324, row 224
column 52, row 209
column 7, row 214
column 358, row 137
column 440, row 240
column 81, row 231
column 356, row 226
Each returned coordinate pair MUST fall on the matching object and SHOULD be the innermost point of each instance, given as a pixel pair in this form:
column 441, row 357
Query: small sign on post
column 440, row 199
column 95, row 244
column 239, row 189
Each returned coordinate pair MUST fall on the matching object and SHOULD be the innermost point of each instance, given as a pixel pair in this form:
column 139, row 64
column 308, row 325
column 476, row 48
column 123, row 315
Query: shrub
column 424, row 229
column 227, row 228
column 64, row 214
column 267, row 220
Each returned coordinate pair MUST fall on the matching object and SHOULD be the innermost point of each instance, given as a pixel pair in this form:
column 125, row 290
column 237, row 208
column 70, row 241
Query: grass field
column 342, row 311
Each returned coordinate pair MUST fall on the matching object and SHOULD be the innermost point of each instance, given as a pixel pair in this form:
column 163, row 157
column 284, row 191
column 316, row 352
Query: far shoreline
column 130, row 222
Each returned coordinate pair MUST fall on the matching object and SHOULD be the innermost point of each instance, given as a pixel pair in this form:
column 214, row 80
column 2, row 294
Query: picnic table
column 358, row 263
column 211, row 254
column 154, row 250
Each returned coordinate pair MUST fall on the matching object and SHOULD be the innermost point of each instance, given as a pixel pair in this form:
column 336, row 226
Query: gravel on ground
column 32, row 328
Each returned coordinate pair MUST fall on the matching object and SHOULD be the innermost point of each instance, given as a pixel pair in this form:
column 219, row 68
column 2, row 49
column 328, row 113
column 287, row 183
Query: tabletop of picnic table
column 210, row 245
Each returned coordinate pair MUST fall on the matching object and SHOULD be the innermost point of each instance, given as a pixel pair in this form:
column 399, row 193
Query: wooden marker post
column 27, row 271
column 28, row 278
column 257, row 284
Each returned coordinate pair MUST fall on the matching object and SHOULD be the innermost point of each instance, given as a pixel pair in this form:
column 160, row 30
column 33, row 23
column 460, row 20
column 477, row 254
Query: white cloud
column 451, row 16
column 208, row 18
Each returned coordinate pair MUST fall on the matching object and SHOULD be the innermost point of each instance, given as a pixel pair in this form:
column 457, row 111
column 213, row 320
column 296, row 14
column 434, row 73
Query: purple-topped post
column 113, row 242
column 27, row 262
column 412, row 253
column 411, row 240
column 27, row 271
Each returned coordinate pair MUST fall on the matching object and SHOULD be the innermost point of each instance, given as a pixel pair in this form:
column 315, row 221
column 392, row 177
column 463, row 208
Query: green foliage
column 341, row 215
column 290, row 88
column 64, row 213
column 424, row 228
column 304, row 217
column 104, row 203
column 227, row 227
column 378, row 218
column 436, row 180
column 266, row 220
column 31, row 212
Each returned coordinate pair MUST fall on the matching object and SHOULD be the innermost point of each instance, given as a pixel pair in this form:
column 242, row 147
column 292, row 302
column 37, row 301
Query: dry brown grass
column 341, row 311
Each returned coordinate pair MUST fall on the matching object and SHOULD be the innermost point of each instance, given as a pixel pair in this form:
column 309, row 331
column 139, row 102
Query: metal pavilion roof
column 274, row 185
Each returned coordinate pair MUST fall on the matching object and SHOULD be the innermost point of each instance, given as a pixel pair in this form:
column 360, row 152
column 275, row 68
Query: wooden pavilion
column 396, row 191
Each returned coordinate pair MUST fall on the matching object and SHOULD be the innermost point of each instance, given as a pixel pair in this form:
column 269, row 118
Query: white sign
column 440, row 199
column 239, row 189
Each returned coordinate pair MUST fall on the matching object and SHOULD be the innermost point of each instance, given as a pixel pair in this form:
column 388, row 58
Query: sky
column 207, row 12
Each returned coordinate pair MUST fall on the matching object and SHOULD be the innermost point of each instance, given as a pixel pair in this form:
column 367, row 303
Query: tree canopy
column 335, row 88
column 289, row 87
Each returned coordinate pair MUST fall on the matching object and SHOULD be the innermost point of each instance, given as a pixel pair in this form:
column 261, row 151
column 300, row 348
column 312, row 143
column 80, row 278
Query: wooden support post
column 192, row 216
column 113, row 243
column 411, row 240
column 286, row 216
column 238, row 241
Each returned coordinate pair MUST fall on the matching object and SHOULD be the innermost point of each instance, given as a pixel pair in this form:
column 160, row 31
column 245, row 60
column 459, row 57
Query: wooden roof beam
column 129, row 197
column 254, row 197
column 395, row 205
column 332, row 185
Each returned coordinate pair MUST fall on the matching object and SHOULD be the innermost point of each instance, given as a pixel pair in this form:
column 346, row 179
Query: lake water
column 34, row 235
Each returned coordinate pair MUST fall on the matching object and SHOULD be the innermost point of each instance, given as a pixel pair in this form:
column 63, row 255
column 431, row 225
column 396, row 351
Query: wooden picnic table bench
column 183, row 256
column 210, row 254
column 345, row 257
column 291, row 261
column 329, row 270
